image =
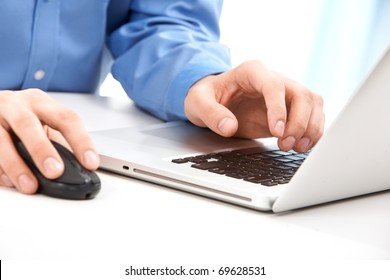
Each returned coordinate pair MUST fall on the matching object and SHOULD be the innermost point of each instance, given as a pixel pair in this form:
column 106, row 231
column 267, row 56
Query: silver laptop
column 351, row 159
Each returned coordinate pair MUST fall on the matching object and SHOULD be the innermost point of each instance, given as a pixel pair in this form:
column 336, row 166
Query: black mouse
column 75, row 183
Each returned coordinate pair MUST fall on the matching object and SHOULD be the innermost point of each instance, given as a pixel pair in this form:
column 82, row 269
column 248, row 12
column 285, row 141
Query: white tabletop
column 150, row 224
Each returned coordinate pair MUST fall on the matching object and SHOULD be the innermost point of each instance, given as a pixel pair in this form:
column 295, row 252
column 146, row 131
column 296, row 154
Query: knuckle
column 68, row 116
column 312, row 98
column 300, row 126
column 32, row 95
column 276, row 81
column 4, row 94
column 196, row 90
column 34, row 92
column 251, row 66
column 273, row 85
column 319, row 100
column 7, row 101
column 251, row 63
column 21, row 121
column 316, row 132
column 319, row 129
column 307, row 96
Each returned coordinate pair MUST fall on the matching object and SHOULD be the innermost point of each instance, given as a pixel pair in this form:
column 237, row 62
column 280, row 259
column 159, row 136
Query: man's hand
column 36, row 119
column 250, row 101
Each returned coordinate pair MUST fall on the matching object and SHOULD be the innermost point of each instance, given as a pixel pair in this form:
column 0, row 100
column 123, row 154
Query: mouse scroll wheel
column 72, row 175
column 76, row 164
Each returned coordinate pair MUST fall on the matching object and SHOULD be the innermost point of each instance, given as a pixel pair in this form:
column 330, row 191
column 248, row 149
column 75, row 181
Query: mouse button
column 94, row 177
column 69, row 158
column 76, row 165
column 71, row 175
column 64, row 153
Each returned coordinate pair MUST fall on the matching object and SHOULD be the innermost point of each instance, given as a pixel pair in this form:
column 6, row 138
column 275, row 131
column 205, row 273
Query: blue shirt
column 159, row 47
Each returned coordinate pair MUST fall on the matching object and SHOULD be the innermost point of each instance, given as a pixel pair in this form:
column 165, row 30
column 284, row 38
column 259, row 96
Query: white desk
column 151, row 224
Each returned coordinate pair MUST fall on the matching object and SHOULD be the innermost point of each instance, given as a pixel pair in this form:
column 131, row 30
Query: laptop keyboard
column 268, row 168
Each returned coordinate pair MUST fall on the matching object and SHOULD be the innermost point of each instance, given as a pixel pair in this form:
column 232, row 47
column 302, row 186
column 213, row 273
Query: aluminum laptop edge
column 351, row 159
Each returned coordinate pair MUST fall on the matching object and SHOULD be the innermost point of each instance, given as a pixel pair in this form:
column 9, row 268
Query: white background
column 327, row 45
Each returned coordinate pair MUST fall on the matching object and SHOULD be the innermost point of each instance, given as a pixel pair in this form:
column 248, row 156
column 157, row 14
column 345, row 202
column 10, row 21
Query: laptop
column 351, row 159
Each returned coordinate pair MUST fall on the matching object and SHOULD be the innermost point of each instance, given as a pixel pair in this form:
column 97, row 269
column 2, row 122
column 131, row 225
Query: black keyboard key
column 218, row 171
column 270, row 183
column 259, row 178
column 268, row 168
column 283, row 181
column 283, row 159
column 180, row 160
column 206, row 165
column 283, row 153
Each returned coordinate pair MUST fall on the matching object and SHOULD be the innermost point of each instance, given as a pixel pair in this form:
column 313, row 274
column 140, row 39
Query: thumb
column 220, row 120
column 226, row 126
column 203, row 109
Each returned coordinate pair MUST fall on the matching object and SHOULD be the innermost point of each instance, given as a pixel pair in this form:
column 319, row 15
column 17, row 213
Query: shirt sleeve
column 166, row 47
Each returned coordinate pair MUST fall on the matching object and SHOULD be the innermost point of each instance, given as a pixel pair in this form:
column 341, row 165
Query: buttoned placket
column 44, row 45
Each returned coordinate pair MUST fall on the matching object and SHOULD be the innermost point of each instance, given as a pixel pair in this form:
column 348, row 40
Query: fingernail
column 288, row 143
column 26, row 184
column 279, row 128
column 225, row 125
column 52, row 166
column 91, row 159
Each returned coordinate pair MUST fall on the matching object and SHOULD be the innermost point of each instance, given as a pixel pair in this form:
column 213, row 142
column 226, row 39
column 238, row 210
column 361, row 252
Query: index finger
column 270, row 85
column 69, row 124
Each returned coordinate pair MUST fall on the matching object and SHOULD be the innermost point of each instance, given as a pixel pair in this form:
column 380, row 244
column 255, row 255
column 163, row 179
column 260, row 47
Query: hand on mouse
column 36, row 118
column 250, row 101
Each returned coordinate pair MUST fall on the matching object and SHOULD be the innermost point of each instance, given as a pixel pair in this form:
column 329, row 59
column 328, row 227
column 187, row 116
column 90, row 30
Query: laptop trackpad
column 192, row 135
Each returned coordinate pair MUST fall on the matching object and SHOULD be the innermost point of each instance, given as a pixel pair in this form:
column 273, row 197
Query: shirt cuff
column 180, row 86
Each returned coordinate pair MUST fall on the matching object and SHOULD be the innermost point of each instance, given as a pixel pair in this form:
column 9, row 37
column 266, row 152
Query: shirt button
column 38, row 75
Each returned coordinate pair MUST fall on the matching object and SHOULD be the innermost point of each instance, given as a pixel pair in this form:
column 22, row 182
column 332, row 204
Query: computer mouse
column 76, row 182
